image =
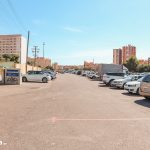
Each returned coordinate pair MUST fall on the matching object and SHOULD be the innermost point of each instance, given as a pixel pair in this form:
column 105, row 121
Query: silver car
column 36, row 76
column 145, row 87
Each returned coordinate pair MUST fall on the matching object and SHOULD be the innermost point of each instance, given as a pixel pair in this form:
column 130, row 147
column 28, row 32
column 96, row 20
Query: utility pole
column 93, row 61
column 43, row 49
column 35, row 51
column 27, row 53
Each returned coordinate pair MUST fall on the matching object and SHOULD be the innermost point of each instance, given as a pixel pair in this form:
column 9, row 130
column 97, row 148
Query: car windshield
column 140, row 80
column 128, row 77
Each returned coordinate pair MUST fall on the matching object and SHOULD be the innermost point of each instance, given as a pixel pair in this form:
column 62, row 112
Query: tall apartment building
column 14, row 44
column 127, row 52
column 149, row 60
column 117, row 56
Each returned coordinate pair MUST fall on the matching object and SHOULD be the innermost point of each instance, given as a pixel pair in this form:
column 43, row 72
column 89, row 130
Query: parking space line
column 54, row 119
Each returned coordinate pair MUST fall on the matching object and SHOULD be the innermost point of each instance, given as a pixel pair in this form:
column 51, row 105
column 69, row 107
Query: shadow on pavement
column 115, row 88
column 34, row 82
column 94, row 80
column 143, row 102
column 130, row 94
column 102, row 85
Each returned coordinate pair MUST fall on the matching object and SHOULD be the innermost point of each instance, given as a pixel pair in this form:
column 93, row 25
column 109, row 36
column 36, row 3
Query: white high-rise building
column 14, row 44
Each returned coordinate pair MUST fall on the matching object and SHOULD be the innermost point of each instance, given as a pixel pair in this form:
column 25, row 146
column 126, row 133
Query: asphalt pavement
column 72, row 113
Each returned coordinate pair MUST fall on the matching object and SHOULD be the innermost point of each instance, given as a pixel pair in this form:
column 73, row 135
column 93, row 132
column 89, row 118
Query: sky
column 78, row 30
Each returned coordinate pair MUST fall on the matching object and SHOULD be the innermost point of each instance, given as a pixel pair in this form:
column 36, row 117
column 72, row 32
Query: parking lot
column 72, row 113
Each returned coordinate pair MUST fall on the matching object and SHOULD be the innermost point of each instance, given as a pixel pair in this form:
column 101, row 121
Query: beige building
column 14, row 44
column 90, row 66
column 40, row 61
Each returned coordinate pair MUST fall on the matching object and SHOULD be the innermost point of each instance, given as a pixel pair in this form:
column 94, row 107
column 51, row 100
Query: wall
column 7, row 65
column 23, row 50
column 22, row 67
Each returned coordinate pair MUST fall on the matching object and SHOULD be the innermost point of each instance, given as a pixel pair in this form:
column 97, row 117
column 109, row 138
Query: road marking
column 2, row 143
column 54, row 119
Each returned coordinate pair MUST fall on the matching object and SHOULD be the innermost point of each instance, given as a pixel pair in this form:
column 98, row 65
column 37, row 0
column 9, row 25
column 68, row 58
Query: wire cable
column 16, row 15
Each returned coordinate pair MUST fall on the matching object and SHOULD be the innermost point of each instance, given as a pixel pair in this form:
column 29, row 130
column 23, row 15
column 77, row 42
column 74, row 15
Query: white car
column 109, row 77
column 1, row 78
column 36, row 76
column 133, row 86
column 94, row 76
column 90, row 74
column 120, row 83
column 84, row 73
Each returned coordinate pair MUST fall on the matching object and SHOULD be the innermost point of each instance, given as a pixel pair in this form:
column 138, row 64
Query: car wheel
column 138, row 91
column 123, row 85
column 44, row 80
column 93, row 77
column 110, row 83
column 24, row 79
column 147, row 97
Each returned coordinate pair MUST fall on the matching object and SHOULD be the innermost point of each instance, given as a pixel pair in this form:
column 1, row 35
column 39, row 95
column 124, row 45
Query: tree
column 49, row 68
column 14, row 58
column 143, row 68
column 1, row 59
column 132, row 64
column 6, row 57
column 29, row 63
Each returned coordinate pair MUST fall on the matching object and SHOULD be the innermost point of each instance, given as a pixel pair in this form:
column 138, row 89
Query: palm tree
column 14, row 58
column 6, row 57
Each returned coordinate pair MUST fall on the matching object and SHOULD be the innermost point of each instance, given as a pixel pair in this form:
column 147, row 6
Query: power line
column 35, row 51
column 16, row 15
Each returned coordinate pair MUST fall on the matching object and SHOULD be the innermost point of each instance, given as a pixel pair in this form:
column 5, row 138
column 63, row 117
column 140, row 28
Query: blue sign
column 10, row 71
column 12, row 74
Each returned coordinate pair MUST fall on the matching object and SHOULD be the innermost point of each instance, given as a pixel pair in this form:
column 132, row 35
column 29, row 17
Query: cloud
column 72, row 29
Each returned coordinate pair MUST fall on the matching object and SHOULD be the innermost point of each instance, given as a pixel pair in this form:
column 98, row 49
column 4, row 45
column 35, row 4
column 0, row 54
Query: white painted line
column 54, row 119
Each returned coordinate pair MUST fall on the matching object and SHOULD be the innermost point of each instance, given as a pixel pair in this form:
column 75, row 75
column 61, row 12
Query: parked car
column 94, row 76
column 85, row 73
column 79, row 72
column 145, row 87
column 1, row 78
column 109, row 77
column 51, row 73
column 90, row 74
column 133, row 86
column 36, row 76
column 120, row 83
